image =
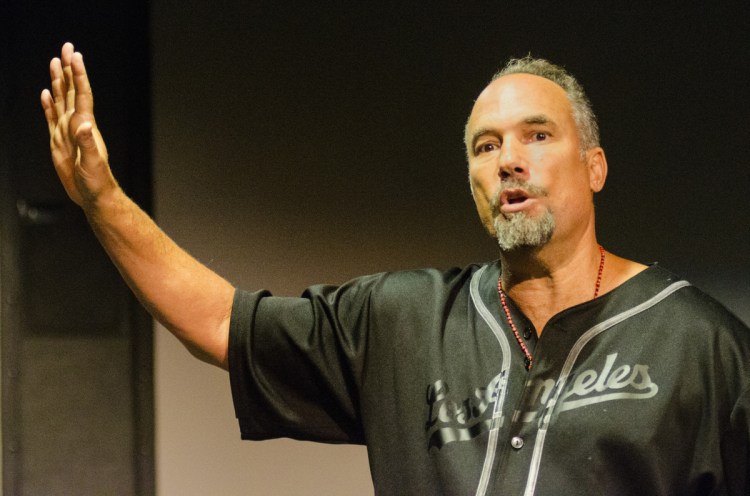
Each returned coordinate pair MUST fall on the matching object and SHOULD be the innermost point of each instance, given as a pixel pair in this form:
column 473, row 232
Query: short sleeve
column 295, row 363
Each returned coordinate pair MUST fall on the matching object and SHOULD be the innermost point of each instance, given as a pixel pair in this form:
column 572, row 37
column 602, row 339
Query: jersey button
column 527, row 333
column 517, row 442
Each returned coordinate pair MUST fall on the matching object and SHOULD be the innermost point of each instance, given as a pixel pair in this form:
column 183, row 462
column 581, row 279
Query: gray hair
column 583, row 114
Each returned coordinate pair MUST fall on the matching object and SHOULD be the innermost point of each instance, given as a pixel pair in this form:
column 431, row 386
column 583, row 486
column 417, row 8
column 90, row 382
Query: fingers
column 71, row 89
column 84, row 99
column 66, row 54
column 58, row 86
column 50, row 114
column 66, row 59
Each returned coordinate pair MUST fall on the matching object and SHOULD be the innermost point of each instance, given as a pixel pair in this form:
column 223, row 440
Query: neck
column 544, row 281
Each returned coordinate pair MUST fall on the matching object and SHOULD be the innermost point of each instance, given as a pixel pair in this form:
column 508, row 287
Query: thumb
column 92, row 175
column 89, row 147
column 85, row 137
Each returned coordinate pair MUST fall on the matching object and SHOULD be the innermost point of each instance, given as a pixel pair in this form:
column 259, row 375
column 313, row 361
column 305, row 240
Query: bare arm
column 190, row 300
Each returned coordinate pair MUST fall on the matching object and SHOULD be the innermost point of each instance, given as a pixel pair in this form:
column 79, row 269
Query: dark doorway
column 77, row 408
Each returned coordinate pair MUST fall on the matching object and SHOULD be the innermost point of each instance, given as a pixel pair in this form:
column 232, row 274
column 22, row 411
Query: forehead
column 511, row 99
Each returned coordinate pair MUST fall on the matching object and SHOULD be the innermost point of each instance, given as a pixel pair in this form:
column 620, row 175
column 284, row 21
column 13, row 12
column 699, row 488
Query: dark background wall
column 303, row 144
column 310, row 113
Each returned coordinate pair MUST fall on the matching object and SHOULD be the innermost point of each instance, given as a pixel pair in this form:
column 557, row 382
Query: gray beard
column 518, row 230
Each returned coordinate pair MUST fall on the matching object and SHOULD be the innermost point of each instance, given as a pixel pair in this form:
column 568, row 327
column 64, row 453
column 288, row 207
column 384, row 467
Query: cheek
column 481, row 198
column 559, row 172
column 481, row 190
column 539, row 156
column 573, row 201
column 483, row 178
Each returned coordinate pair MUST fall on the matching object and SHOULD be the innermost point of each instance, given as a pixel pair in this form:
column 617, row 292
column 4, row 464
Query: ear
column 597, row 166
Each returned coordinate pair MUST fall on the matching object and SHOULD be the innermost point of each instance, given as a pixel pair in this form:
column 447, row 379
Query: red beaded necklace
column 504, row 304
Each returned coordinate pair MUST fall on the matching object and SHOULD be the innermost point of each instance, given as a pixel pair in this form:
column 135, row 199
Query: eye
column 539, row 136
column 486, row 148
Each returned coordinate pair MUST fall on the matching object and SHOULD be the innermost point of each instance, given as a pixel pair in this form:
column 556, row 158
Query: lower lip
column 509, row 208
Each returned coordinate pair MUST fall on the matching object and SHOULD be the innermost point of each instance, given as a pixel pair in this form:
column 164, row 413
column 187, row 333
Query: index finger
column 84, row 99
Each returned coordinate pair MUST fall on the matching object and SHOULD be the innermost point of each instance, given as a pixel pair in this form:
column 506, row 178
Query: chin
column 523, row 231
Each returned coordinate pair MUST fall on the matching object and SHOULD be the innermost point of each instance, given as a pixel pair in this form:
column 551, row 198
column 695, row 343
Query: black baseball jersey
column 644, row 390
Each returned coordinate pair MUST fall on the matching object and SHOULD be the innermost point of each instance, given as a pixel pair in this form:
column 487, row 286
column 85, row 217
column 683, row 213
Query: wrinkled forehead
column 514, row 97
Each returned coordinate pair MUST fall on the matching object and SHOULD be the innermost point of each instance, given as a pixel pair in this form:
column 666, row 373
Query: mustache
column 531, row 189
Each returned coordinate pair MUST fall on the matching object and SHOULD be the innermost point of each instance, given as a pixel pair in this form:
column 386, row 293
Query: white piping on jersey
column 536, row 457
column 501, row 388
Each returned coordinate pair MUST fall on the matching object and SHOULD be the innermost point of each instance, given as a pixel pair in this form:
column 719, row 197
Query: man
column 559, row 369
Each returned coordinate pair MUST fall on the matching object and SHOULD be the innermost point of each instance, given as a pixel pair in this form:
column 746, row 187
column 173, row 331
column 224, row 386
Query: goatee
column 519, row 230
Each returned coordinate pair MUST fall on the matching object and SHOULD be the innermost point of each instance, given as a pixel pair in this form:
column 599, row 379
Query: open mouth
column 514, row 200
column 513, row 196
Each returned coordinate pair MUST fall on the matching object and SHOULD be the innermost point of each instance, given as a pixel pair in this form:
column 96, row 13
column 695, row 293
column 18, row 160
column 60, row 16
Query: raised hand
column 78, row 150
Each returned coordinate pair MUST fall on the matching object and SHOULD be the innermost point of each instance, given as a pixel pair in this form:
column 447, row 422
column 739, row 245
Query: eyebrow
column 530, row 120
column 539, row 119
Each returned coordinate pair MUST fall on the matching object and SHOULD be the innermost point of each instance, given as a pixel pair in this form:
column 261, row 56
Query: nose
column 512, row 163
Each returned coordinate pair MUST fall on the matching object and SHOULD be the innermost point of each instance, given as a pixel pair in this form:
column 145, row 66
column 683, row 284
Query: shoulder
column 693, row 304
column 675, row 304
column 428, row 278
column 703, row 320
column 401, row 286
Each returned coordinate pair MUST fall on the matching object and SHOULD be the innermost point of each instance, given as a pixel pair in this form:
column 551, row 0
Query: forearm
column 190, row 300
